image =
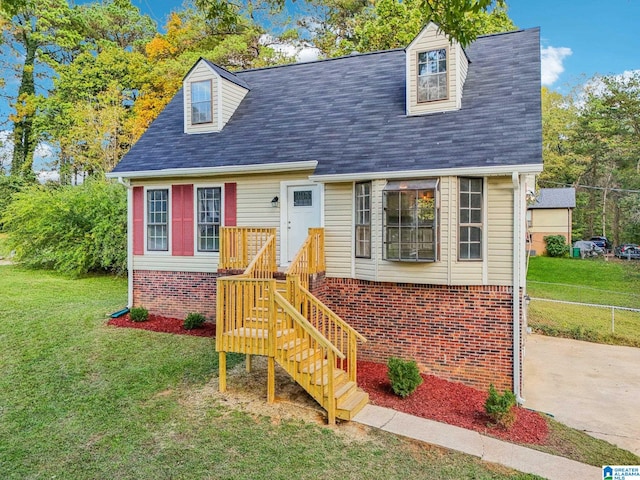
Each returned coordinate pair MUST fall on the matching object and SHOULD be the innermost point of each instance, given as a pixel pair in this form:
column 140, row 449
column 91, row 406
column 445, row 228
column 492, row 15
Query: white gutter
column 438, row 172
column 127, row 184
column 223, row 170
column 517, row 244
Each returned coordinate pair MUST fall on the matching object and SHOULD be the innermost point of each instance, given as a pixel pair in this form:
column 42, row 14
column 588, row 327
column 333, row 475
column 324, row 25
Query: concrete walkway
column 486, row 448
column 587, row 386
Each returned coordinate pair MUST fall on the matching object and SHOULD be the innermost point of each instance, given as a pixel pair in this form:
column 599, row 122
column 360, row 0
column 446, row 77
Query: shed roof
column 348, row 114
column 555, row 198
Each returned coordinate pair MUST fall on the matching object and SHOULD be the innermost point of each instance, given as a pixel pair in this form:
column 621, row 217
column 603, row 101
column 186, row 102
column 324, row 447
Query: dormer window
column 201, row 105
column 432, row 75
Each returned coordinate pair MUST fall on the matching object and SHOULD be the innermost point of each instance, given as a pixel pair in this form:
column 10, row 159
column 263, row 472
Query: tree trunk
column 24, row 139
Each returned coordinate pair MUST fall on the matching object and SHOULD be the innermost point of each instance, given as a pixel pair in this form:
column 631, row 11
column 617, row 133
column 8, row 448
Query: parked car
column 602, row 242
column 588, row 248
column 628, row 251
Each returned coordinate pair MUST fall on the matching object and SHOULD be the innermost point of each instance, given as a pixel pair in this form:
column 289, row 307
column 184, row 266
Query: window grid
column 410, row 225
column 363, row 220
column 432, row 75
column 157, row 220
column 209, row 208
column 470, row 219
column 201, row 102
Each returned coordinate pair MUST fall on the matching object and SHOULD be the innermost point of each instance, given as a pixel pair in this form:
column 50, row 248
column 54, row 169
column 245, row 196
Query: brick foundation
column 175, row 294
column 459, row 333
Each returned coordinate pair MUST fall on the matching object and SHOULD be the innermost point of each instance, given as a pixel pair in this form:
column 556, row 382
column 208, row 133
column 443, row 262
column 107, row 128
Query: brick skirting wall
column 175, row 294
column 460, row 333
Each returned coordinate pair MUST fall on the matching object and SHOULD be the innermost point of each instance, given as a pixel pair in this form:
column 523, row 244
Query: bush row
column 71, row 229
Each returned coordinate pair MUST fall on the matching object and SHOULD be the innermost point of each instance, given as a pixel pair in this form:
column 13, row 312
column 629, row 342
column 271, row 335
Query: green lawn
column 81, row 400
column 586, row 281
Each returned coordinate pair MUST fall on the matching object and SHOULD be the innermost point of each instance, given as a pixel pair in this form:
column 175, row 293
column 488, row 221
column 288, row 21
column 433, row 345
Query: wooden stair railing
column 240, row 245
column 257, row 315
column 310, row 257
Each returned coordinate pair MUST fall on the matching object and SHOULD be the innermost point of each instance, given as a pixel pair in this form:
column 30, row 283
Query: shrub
column 404, row 376
column 193, row 320
column 71, row 229
column 138, row 314
column 500, row 407
column 556, row 246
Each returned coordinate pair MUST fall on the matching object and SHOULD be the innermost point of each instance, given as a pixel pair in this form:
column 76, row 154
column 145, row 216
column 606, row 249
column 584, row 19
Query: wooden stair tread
column 349, row 407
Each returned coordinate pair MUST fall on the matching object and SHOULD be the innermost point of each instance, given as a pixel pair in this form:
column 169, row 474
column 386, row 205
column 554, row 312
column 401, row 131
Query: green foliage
column 404, row 376
column 193, row 320
column 9, row 186
column 499, row 408
column 71, row 229
column 138, row 314
column 556, row 246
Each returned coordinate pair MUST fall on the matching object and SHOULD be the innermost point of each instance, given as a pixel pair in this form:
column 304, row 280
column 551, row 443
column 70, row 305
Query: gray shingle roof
column 555, row 198
column 348, row 114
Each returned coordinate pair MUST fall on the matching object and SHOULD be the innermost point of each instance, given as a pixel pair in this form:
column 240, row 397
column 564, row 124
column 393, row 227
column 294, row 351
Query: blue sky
column 578, row 38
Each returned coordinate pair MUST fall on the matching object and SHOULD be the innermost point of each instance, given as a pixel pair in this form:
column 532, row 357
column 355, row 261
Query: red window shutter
column 230, row 204
column 182, row 220
column 138, row 220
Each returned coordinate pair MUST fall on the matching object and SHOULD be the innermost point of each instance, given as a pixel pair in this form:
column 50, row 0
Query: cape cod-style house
column 360, row 207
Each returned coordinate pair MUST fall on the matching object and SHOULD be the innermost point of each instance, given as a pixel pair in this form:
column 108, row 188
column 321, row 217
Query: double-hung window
column 201, row 104
column 363, row 220
column 208, row 214
column 411, row 221
column 157, row 219
column 432, row 75
column 470, row 219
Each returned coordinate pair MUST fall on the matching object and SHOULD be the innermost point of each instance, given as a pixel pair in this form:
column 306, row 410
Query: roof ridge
column 322, row 60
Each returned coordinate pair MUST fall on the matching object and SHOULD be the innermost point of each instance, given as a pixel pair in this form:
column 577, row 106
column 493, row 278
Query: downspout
column 517, row 244
column 129, row 188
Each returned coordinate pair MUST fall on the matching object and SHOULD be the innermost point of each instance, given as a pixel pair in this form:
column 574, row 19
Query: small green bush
column 404, row 376
column 556, row 246
column 500, row 407
column 138, row 314
column 193, row 320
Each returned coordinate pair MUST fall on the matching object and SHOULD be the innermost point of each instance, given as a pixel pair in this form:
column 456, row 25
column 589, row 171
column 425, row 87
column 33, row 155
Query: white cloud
column 44, row 152
column 48, row 176
column 552, row 59
column 301, row 52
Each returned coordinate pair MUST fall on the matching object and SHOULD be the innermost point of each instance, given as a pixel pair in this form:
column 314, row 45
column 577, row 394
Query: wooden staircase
column 258, row 315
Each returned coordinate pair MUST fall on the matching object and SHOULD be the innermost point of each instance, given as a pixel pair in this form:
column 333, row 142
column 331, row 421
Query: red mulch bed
column 157, row 323
column 449, row 402
column 436, row 399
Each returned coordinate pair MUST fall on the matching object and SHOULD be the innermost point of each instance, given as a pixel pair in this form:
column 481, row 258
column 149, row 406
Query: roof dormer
column 211, row 96
column 436, row 71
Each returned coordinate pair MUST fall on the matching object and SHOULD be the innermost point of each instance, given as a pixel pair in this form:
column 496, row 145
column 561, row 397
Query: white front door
column 303, row 212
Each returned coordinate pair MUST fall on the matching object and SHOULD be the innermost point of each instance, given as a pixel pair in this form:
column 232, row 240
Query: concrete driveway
column 588, row 386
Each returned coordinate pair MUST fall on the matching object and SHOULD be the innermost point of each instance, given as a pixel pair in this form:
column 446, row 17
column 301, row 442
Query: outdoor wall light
column 275, row 202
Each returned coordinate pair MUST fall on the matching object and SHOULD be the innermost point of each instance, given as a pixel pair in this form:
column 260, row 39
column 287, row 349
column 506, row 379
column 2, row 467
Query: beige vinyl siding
column 500, row 230
column 253, row 209
column 457, row 64
column 232, row 95
column 254, row 195
column 338, row 221
column 549, row 220
column 199, row 73
column 168, row 263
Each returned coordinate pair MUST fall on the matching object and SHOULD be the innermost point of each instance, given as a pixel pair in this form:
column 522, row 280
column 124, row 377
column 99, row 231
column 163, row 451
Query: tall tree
column 42, row 32
column 339, row 27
